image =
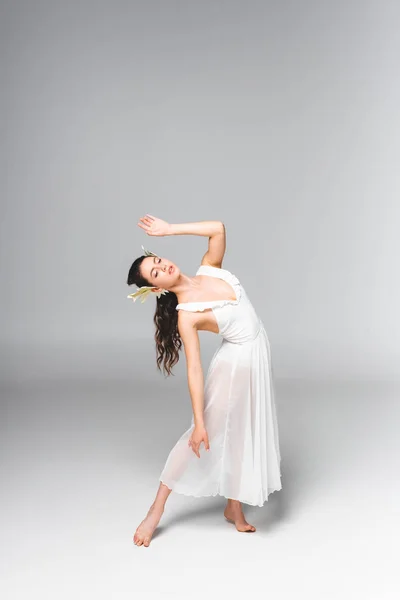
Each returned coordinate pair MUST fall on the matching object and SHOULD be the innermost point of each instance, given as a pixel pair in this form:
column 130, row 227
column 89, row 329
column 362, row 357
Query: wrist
column 178, row 229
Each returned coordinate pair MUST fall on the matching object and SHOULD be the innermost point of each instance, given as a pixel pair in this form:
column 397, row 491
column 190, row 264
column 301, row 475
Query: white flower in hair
column 147, row 252
column 144, row 291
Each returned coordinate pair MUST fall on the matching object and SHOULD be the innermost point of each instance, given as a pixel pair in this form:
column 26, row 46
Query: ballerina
column 234, row 412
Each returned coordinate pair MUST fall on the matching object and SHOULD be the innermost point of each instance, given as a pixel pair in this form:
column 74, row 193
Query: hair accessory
column 147, row 252
column 144, row 291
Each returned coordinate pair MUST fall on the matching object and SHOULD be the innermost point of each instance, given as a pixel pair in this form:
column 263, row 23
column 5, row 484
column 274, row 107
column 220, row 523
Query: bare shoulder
column 186, row 322
column 187, row 327
column 190, row 322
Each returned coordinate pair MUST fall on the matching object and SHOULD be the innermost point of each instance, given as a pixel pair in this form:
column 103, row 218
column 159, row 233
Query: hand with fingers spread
column 154, row 226
column 199, row 434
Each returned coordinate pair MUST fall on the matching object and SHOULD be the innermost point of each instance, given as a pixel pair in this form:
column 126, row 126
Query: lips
column 170, row 269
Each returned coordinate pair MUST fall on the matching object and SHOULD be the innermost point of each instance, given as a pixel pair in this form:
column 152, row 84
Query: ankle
column 233, row 503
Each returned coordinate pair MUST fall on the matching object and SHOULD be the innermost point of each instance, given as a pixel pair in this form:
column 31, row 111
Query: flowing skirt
column 240, row 418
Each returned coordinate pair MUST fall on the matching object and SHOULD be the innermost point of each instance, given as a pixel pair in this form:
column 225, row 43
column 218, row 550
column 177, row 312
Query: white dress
column 243, row 462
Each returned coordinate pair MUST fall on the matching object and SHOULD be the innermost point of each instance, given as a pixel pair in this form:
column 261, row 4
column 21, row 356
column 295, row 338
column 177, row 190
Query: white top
column 220, row 274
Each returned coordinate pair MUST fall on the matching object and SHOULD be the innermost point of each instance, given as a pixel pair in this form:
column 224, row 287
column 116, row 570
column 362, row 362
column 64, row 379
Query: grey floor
column 80, row 459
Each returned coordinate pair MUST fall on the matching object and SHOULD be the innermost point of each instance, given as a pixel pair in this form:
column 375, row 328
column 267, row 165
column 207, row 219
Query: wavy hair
column 167, row 338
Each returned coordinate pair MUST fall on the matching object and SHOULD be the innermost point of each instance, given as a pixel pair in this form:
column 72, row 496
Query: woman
column 234, row 413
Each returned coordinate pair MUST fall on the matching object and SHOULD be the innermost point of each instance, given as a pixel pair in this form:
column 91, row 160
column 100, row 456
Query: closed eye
column 158, row 262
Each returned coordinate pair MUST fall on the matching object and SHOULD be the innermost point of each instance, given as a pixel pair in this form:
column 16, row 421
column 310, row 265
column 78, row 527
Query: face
column 159, row 271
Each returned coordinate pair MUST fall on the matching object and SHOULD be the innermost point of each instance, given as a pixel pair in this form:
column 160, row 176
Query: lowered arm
column 191, row 342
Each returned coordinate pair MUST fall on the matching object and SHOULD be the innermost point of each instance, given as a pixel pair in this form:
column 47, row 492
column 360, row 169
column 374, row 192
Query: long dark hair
column 167, row 338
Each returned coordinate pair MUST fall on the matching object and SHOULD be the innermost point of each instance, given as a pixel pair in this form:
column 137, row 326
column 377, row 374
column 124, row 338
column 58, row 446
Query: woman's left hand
column 199, row 435
column 154, row 226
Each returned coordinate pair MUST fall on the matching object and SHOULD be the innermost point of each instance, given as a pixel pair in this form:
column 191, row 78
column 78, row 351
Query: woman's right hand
column 199, row 434
column 154, row 226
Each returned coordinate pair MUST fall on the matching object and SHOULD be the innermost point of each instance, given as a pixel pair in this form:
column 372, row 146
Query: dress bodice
column 220, row 274
column 237, row 319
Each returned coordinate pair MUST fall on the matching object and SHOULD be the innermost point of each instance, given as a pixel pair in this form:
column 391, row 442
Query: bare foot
column 234, row 514
column 146, row 528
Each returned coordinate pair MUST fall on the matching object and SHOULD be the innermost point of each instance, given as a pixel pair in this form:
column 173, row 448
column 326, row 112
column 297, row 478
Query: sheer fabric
column 243, row 462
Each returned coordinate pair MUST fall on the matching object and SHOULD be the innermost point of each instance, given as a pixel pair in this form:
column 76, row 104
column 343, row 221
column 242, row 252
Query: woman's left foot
column 234, row 514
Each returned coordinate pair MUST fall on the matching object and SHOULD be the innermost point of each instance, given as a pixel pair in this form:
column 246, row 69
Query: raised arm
column 206, row 228
column 215, row 230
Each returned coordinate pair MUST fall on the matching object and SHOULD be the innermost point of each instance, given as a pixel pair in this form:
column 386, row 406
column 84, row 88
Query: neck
column 184, row 286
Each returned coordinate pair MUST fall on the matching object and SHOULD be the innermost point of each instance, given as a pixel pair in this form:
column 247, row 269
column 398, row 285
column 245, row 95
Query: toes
column 147, row 541
column 138, row 540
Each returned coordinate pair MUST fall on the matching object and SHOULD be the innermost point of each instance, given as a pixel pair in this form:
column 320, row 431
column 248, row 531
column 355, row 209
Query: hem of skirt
column 193, row 495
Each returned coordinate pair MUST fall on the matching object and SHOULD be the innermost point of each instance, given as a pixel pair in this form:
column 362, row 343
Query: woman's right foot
column 146, row 528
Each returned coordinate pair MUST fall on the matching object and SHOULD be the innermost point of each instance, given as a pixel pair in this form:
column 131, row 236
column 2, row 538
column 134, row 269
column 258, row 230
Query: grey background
column 281, row 119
